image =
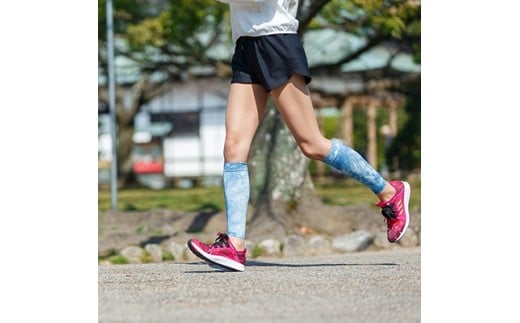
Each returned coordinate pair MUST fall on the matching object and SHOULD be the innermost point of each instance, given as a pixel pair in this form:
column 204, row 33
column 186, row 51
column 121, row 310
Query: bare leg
column 295, row 105
column 246, row 107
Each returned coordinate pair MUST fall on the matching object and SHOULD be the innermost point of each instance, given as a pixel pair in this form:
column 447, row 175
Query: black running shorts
column 269, row 60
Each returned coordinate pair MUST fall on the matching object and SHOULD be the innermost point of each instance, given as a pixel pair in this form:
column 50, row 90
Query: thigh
column 245, row 108
column 295, row 106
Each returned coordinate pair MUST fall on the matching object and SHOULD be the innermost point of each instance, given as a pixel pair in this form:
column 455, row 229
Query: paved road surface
column 379, row 286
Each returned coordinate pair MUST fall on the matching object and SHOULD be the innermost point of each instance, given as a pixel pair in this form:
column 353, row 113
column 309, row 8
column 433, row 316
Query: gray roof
column 329, row 46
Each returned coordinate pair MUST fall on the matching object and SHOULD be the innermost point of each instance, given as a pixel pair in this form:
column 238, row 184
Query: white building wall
column 182, row 157
column 194, row 156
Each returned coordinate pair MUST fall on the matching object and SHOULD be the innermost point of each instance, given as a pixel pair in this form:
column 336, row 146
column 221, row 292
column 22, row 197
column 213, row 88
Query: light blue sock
column 351, row 163
column 236, row 196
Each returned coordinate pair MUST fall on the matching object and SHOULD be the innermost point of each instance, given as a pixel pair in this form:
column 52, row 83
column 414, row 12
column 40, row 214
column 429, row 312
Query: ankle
column 387, row 193
column 239, row 244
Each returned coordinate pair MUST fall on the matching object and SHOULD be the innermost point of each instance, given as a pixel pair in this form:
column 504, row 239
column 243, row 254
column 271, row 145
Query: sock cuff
column 235, row 166
column 333, row 152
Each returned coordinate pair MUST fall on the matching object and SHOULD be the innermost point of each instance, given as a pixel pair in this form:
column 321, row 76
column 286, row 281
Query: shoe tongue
column 383, row 203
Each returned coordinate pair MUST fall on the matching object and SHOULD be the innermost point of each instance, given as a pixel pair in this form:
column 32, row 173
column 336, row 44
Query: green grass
column 344, row 192
column 119, row 260
column 168, row 256
column 350, row 192
column 141, row 199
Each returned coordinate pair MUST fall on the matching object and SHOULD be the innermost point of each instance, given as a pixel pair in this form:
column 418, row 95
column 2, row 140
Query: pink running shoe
column 395, row 211
column 221, row 252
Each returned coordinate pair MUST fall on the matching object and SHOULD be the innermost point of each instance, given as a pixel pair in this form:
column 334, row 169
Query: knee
column 236, row 150
column 313, row 150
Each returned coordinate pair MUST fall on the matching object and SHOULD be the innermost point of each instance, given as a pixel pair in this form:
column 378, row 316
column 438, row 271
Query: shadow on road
column 271, row 264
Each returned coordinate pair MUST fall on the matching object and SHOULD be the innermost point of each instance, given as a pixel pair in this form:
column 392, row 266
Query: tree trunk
column 124, row 153
column 281, row 186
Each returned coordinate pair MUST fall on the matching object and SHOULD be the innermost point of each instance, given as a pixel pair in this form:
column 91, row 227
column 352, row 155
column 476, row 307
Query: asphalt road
column 379, row 286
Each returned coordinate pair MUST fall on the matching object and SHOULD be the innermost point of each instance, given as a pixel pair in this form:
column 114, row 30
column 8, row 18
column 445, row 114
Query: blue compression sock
column 236, row 196
column 351, row 163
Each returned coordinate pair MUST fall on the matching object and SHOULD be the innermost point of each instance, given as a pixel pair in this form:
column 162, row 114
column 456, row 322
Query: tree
column 180, row 35
column 166, row 40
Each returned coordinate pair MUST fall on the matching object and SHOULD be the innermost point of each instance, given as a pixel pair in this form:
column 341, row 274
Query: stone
column 293, row 245
column 352, row 242
column 134, row 254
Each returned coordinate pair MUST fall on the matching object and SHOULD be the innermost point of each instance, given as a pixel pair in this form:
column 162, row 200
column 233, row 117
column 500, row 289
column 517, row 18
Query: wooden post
column 372, row 133
column 392, row 115
column 348, row 123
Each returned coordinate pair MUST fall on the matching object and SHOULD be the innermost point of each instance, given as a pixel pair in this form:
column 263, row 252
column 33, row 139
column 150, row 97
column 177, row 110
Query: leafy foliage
column 185, row 25
column 125, row 13
column 389, row 20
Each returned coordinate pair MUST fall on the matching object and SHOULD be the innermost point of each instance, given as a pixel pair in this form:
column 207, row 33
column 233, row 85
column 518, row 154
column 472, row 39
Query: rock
column 133, row 254
column 381, row 241
column 155, row 252
column 409, row 239
column 293, row 245
column 317, row 245
column 356, row 241
column 271, row 247
column 121, row 233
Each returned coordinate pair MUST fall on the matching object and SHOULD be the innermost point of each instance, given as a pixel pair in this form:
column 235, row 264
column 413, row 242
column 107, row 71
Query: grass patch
column 140, row 229
column 168, row 256
column 142, row 199
column 146, row 257
column 341, row 192
column 257, row 251
column 119, row 260
column 350, row 192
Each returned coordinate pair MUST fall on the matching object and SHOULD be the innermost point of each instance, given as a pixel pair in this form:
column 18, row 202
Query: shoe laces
column 388, row 211
column 222, row 241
